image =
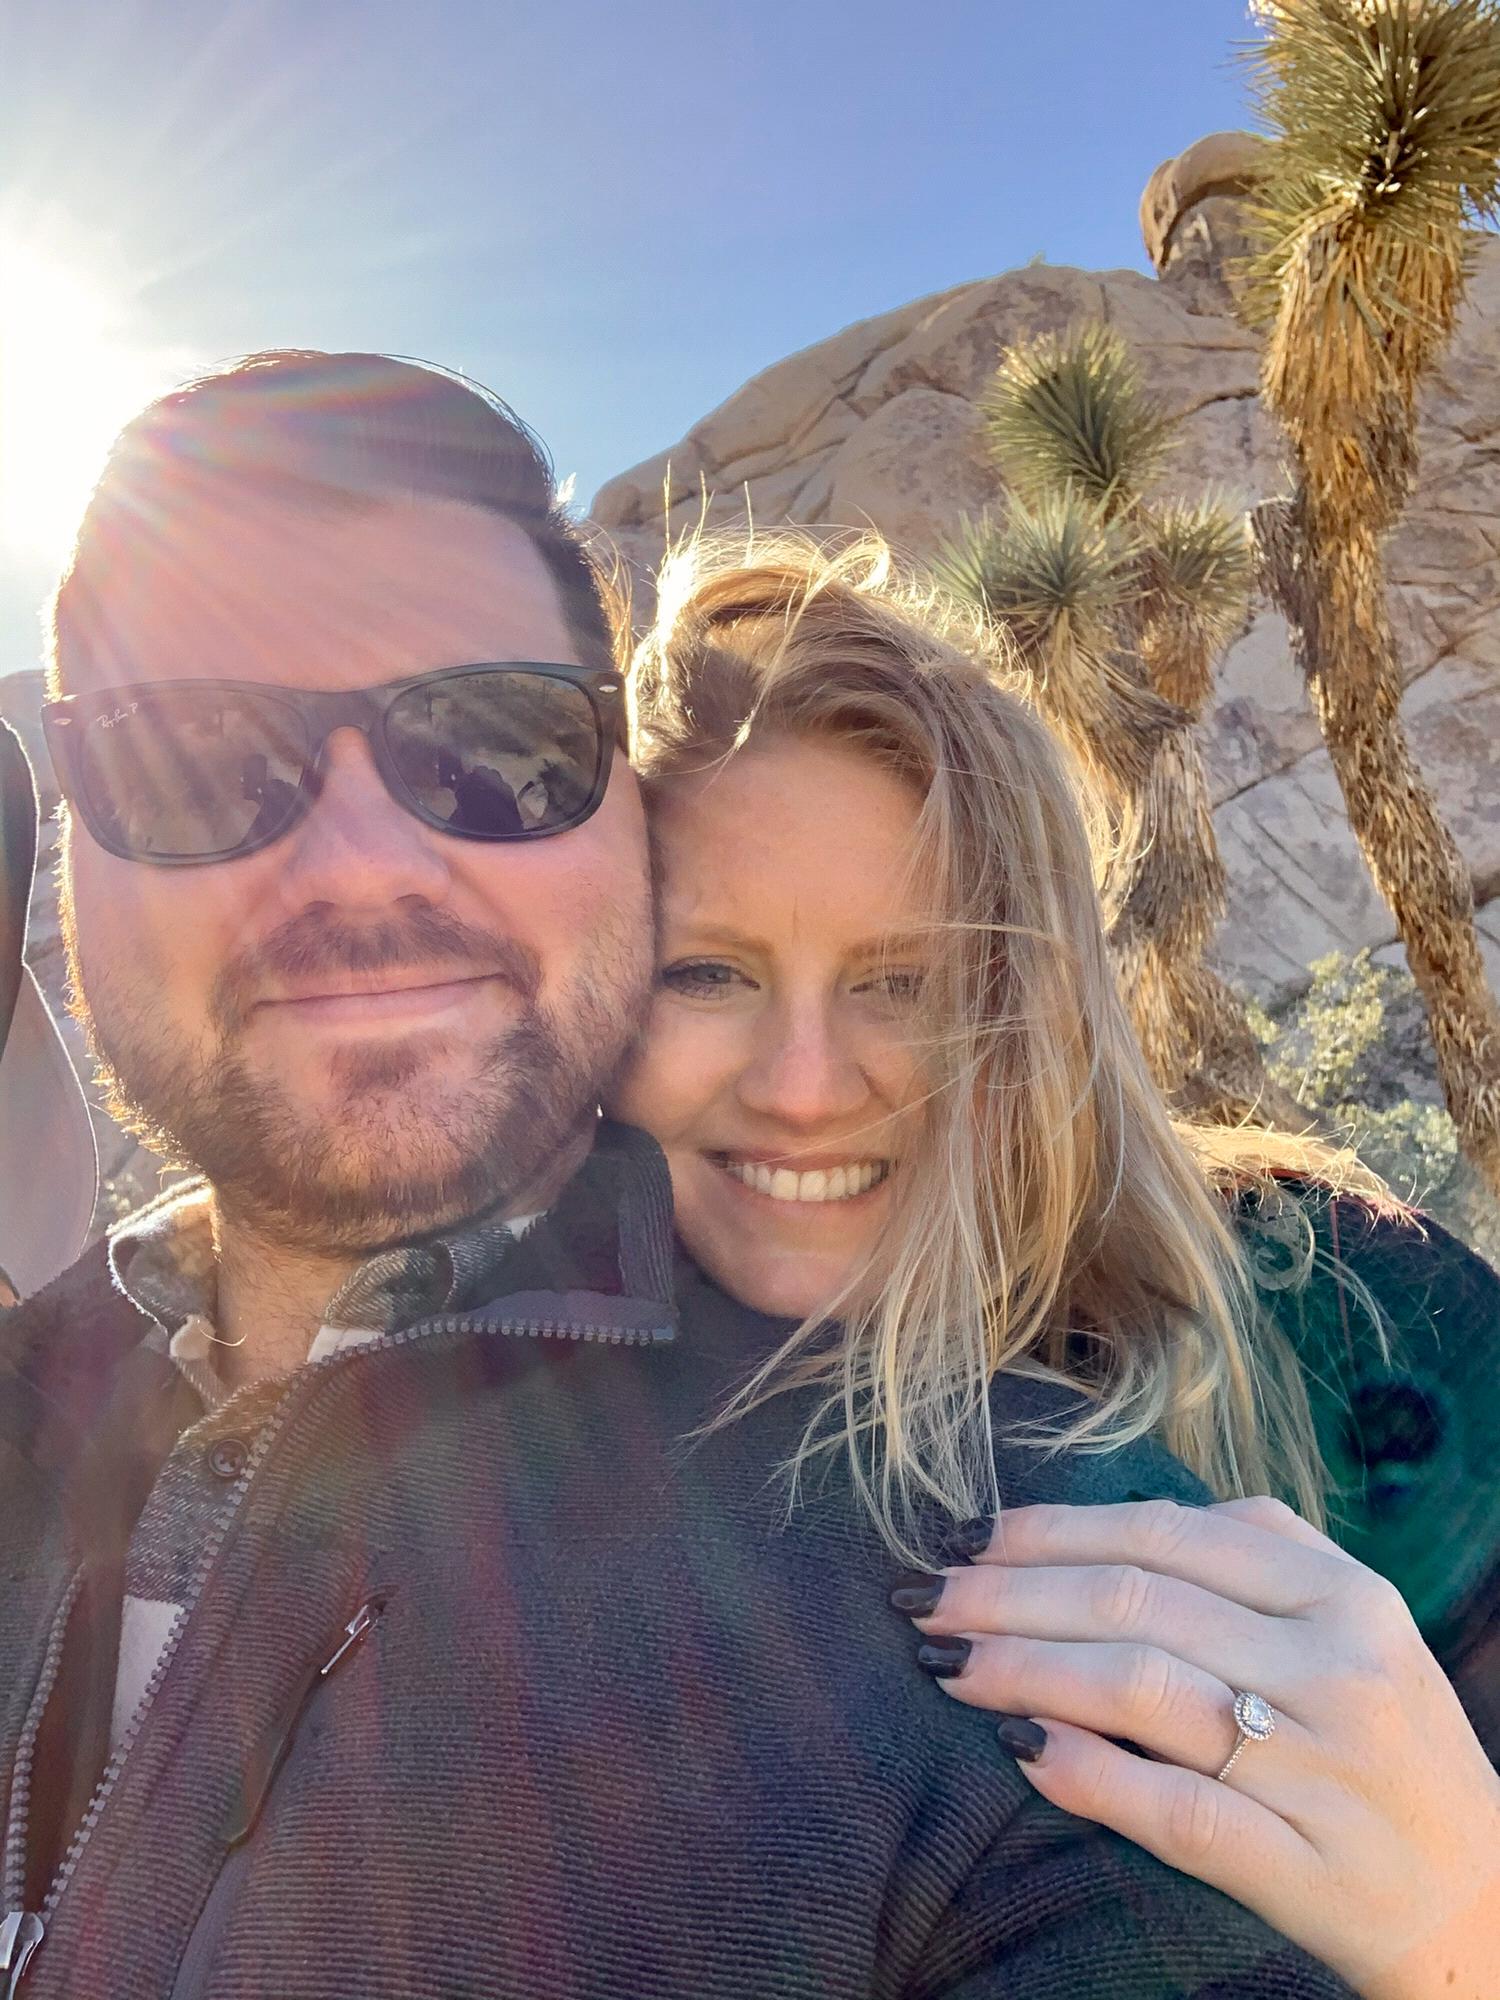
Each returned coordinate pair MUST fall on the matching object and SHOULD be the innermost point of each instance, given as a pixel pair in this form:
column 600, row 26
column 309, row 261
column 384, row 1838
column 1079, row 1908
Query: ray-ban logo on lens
column 119, row 715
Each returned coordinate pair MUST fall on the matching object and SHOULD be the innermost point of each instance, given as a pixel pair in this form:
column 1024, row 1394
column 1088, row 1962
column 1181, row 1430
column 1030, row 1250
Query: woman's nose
column 804, row 1070
column 357, row 848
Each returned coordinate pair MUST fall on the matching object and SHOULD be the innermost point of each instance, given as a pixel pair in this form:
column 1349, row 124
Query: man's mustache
column 308, row 945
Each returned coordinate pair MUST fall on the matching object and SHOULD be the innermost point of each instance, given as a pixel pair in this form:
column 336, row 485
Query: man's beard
column 397, row 1149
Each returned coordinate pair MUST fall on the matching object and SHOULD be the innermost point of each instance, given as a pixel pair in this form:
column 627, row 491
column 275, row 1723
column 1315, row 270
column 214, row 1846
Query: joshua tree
column 1120, row 604
column 1386, row 119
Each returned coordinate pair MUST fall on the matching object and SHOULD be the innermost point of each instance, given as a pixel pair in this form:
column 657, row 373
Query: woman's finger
column 1274, row 1571
column 1168, row 1707
column 1259, row 1510
column 1120, row 1603
column 1193, row 1823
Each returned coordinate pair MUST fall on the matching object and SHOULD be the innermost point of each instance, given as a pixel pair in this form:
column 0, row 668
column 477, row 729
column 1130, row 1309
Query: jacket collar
column 601, row 1259
column 608, row 1237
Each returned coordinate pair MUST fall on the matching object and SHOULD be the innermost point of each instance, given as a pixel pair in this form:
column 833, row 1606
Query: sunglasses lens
column 192, row 772
column 498, row 755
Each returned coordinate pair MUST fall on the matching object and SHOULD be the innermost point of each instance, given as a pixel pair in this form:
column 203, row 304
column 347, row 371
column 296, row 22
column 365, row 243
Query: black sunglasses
column 186, row 771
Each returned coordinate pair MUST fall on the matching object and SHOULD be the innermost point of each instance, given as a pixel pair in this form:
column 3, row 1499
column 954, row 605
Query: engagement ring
column 1255, row 1719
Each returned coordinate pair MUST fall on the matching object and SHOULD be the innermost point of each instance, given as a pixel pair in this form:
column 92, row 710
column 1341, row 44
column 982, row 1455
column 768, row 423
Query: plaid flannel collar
column 163, row 1259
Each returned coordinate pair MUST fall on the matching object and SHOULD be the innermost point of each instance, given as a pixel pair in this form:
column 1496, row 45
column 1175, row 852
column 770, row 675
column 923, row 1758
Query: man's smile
column 363, row 999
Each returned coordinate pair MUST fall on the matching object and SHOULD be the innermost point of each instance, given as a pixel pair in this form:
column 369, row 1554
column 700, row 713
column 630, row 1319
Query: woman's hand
column 1366, row 1828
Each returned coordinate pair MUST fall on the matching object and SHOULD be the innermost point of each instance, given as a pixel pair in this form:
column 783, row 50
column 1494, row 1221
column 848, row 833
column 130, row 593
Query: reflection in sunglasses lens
column 192, row 772
column 496, row 755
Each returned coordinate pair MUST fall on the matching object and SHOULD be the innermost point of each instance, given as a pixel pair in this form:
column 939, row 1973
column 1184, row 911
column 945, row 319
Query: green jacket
column 1410, row 1431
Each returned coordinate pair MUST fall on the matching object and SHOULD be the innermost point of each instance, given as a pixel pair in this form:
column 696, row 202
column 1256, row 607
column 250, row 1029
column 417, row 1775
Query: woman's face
column 777, row 1071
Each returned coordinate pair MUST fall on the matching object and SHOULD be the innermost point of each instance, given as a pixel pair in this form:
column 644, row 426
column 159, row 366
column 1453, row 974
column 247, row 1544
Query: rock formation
column 879, row 427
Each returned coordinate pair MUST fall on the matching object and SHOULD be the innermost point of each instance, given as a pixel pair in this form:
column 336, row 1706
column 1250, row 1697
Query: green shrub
column 1355, row 1048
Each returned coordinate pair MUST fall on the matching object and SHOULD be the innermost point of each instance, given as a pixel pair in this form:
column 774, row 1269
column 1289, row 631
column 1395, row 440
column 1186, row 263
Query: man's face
column 369, row 1028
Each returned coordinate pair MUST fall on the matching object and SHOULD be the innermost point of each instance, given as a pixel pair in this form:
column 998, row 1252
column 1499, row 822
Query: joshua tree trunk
column 1191, row 1025
column 1331, row 589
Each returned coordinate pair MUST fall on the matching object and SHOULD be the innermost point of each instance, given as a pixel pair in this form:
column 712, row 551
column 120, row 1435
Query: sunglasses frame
column 320, row 711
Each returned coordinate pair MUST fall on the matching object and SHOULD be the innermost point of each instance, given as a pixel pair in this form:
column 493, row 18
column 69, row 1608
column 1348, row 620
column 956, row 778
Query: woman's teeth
column 822, row 1184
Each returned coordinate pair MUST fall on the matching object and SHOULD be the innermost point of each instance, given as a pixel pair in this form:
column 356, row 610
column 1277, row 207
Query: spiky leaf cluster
column 1061, row 577
column 1070, row 410
column 1054, row 570
column 1386, row 116
column 1203, row 563
column 1391, row 108
column 1196, row 575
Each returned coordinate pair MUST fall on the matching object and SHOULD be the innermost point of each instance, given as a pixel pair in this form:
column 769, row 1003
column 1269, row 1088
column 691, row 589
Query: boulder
column 1298, row 886
column 955, row 346
column 1221, row 169
column 911, row 471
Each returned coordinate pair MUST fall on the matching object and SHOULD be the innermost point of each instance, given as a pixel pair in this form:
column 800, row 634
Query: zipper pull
column 20, row 1934
column 263, row 1766
column 354, row 1631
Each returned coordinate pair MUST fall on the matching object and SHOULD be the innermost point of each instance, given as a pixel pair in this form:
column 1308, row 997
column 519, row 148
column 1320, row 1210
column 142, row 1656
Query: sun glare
column 70, row 375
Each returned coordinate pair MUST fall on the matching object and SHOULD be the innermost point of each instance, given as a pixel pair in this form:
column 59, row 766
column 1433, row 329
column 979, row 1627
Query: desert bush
column 1354, row 1047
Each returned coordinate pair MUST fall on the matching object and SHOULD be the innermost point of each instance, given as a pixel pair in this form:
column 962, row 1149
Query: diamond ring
column 1255, row 1719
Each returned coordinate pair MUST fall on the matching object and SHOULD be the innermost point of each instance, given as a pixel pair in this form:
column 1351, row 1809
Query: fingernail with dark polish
column 1023, row 1738
column 943, row 1658
column 971, row 1538
column 917, row 1593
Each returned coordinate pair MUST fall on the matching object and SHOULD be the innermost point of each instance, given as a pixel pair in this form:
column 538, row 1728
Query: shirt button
column 226, row 1457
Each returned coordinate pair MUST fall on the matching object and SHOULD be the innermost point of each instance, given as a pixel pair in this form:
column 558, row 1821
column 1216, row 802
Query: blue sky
column 613, row 214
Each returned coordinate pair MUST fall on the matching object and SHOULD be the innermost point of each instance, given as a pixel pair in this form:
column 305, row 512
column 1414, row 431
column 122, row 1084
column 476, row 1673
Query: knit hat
column 48, row 1165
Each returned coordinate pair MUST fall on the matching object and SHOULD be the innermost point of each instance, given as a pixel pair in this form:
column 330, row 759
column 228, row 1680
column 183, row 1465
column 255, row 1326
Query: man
column 379, row 1626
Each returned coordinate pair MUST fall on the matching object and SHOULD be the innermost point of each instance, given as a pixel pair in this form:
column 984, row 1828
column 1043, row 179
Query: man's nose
column 357, row 848
column 805, row 1068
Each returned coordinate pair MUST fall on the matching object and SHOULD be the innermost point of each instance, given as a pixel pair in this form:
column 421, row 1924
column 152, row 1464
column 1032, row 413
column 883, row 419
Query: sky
column 613, row 214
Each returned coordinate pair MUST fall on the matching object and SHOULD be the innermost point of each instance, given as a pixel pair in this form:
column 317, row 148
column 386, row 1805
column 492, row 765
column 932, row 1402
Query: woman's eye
column 901, row 986
column 699, row 978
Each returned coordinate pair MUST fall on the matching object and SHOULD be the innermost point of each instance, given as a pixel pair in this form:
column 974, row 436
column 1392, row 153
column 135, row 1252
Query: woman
column 897, row 1090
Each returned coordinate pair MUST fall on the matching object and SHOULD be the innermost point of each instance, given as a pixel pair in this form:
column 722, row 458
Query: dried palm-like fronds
column 1222, row 1063
column 1174, row 894
column 1386, row 115
column 1164, row 897
column 1070, row 410
column 1387, row 120
column 1120, row 605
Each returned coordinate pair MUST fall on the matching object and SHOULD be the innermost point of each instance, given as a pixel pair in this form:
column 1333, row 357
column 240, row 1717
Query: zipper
column 23, row 1931
column 20, row 1935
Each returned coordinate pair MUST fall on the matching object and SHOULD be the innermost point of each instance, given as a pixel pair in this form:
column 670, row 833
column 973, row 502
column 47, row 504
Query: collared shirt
column 163, row 1259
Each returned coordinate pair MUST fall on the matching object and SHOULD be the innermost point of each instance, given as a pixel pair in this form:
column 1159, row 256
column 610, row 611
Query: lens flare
column 70, row 375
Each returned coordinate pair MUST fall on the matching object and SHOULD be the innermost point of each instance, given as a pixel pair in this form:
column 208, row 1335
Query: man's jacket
column 505, row 1680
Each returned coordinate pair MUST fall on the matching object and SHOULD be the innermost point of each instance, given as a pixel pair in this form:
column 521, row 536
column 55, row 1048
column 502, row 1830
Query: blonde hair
column 1050, row 1218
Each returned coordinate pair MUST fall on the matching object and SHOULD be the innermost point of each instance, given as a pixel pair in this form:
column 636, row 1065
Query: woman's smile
column 844, row 1182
